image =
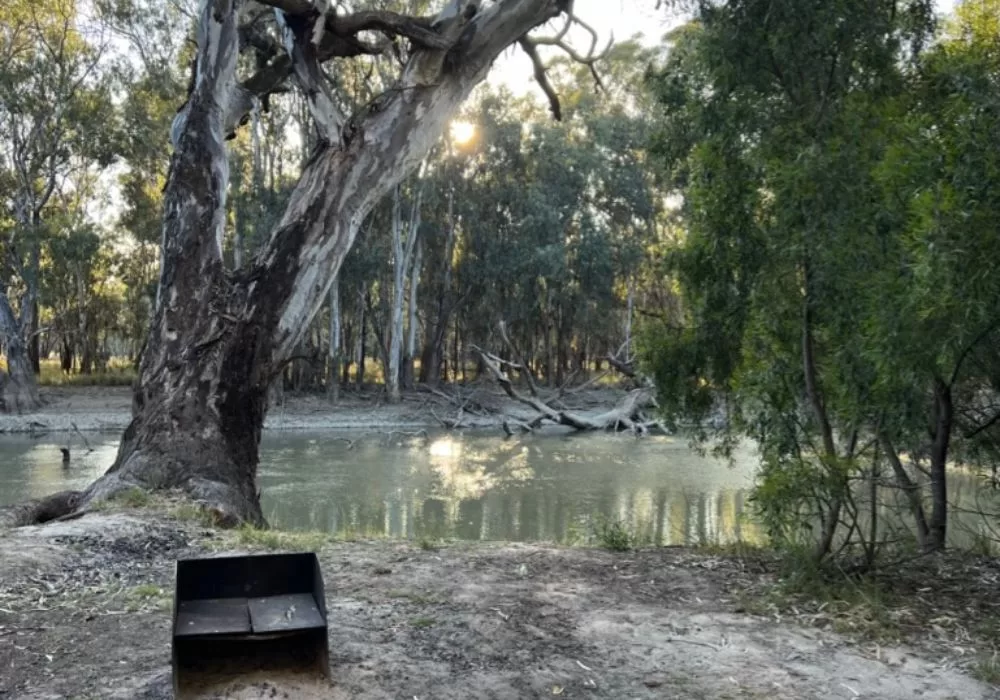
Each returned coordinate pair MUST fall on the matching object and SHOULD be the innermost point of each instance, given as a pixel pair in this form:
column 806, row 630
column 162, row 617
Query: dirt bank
column 108, row 409
column 84, row 613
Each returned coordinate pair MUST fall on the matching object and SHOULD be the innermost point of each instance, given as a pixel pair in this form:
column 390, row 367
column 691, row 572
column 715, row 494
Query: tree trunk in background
column 411, row 325
column 333, row 386
column 943, row 419
column 830, row 519
column 360, row 351
column 29, row 323
column 34, row 342
column 346, row 345
column 910, row 489
column 66, row 356
column 83, row 329
column 18, row 389
column 395, row 348
column 550, row 353
column 434, row 350
column 402, row 255
column 454, row 355
column 630, row 302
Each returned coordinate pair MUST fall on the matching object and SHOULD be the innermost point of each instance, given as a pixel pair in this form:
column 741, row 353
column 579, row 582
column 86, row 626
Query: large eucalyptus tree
column 219, row 336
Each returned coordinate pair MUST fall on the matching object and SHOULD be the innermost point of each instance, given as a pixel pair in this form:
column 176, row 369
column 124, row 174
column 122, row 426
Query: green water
column 480, row 486
column 470, row 486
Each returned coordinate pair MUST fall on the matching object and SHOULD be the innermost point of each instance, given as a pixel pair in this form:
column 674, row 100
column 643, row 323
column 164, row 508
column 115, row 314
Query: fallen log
column 626, row 415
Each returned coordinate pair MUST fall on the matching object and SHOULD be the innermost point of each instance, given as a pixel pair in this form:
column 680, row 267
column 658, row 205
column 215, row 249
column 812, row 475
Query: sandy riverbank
column 108, row 409
column 85, row 613
column 482, row 405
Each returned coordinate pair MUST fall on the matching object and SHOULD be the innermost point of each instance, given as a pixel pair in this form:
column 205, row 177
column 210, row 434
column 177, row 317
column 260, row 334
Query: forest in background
column 548, row 227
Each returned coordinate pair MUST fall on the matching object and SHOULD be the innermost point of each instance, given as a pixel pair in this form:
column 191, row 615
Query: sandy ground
column 108, row 409
column 85, row 613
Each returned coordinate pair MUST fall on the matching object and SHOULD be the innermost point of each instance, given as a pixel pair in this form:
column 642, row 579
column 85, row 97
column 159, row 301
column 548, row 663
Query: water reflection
column 482, row 487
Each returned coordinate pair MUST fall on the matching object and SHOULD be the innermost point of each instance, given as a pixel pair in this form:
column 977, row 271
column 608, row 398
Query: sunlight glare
column 462, row 131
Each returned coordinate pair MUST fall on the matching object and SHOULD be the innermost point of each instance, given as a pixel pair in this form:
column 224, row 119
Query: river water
column 474, row 486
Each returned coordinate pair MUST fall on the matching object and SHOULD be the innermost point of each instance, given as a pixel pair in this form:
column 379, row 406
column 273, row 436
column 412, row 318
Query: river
column 472, row 486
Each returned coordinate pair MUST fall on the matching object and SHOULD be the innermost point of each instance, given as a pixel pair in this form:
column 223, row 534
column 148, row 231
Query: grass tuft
column 134, row 497
column 987, row 670
column 188, row 512
column 422, row 622
column 613, row 535
column 250, row 536
column 146, row 590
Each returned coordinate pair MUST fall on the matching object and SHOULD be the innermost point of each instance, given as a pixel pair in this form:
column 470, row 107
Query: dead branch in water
column 627, row 415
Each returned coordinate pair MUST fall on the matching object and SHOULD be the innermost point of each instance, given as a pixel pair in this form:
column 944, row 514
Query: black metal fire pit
column 238, row 615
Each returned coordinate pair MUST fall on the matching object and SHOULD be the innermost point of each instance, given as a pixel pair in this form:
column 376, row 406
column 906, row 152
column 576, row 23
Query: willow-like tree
column 218, row 336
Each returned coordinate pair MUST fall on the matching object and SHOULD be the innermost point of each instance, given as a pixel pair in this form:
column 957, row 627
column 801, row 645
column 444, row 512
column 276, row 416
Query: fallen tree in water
column 628, row 414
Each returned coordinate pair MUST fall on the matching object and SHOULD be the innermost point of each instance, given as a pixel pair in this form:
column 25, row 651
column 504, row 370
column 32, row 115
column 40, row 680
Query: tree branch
column 541, row 77
column 339, row 186
column 417, row 29
column 530, row 45
column 315, row 87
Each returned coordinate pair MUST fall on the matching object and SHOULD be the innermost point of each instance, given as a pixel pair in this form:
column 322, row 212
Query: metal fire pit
column 238, row 615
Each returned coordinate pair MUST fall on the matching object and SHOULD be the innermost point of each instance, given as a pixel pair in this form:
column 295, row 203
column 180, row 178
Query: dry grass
column 253, row 537
column 119, row 372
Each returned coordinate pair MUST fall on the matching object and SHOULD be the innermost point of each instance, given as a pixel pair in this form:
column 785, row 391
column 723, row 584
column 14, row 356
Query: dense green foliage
column 838, row 268
column 538, row 224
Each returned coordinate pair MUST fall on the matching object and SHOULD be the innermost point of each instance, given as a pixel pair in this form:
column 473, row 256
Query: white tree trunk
column 402, row 253
column 628, row 319
column 411, row 328
column 335, row 353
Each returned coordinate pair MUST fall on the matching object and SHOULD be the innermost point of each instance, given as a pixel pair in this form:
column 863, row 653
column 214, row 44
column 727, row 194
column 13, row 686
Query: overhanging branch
column 542, row 78
column 530, row 46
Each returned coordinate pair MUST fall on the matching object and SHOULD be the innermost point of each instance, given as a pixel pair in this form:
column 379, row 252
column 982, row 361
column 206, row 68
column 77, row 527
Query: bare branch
column 541, row 77
column 416, row 29
column 315, row 88
column 530, row 45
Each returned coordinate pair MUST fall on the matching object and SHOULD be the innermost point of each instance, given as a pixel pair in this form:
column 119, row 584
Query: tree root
column 41, row 510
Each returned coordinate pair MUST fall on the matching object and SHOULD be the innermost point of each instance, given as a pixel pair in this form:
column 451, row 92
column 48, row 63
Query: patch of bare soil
column 85, row 613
